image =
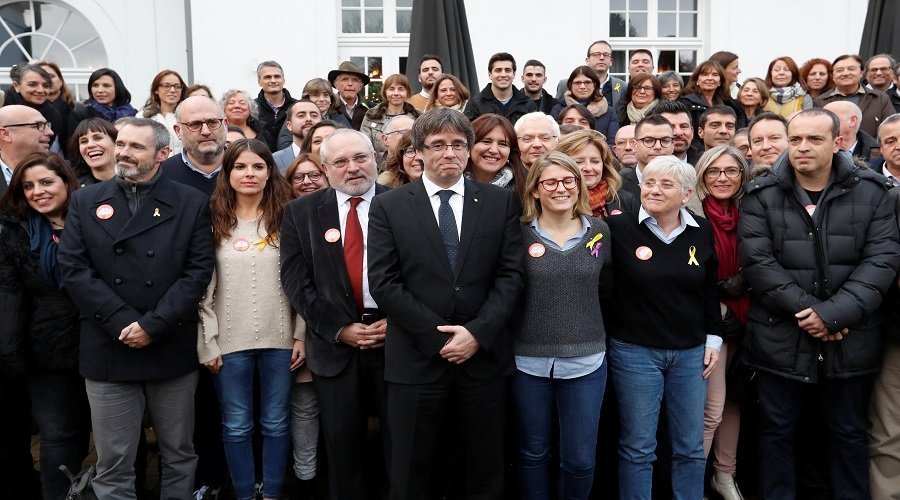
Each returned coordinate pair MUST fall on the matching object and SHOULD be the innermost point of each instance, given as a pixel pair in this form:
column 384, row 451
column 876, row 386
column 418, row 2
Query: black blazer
column 152, row 268
column 411, row 279
column 315, row 279
column 630, row 182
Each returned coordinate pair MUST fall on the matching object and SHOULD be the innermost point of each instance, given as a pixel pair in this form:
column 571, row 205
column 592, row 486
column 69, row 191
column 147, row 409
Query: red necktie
column 353, row 252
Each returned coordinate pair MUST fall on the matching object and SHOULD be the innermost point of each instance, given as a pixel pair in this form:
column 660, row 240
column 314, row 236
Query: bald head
column 850, row 117
column 20, row 135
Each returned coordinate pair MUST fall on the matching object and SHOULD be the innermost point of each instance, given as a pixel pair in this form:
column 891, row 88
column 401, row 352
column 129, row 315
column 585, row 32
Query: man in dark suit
column 136, row 257
column 323, row 272
column 446, row 265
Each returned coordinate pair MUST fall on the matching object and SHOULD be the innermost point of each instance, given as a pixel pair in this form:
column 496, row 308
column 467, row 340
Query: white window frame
column 390, row 46
column 655, row 43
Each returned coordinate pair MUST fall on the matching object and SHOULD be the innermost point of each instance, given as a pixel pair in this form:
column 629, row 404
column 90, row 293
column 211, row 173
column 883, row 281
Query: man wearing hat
column 349, row 82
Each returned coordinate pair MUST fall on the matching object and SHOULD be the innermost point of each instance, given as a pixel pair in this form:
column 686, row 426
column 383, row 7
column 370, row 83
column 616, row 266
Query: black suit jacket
column 315, row 278
column 630, row 182
column 152, row 268
column 411, row 279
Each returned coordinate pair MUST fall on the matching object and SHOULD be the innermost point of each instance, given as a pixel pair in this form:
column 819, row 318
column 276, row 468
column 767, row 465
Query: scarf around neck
column 635, row 115
column 112, row 113
column 724, row 224
column 597, row 197
column 44, row 245
column 597, row 108
column 783, row 95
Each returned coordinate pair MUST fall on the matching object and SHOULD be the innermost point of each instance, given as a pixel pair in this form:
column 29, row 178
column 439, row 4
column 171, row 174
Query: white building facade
column 220, row 42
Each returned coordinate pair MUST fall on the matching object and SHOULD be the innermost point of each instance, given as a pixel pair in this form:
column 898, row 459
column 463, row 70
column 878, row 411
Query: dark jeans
column 842, row 406
column 577, row 401
column 59, row 406
column 17, row 475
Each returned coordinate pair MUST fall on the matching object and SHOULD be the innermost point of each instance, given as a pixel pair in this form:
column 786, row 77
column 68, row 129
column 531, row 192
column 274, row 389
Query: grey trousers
column 304, row 429
column 116, row 412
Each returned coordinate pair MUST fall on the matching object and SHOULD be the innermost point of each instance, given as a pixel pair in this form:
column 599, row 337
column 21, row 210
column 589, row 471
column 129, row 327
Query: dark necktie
column 447, row 223
column 353, row 252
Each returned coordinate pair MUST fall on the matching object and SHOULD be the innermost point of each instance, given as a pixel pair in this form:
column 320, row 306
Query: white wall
column 810, row 28
column 558, row 33
column 232, row 37
column 140, row 38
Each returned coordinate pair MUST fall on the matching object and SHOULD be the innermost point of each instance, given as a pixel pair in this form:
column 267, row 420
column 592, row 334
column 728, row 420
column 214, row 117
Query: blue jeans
column 642, row 377
column 234, row 384
column 577, row 401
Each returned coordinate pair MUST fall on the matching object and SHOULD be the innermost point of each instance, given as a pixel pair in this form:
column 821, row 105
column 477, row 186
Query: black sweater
column 666, row 301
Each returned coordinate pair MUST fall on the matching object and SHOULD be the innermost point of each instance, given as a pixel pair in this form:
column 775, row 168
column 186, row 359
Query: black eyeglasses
column 730, row 172
column 552, row 184
column 649, row 142
column 408, row 152
column 196, row 125
column 39, row 126
column 313, row 176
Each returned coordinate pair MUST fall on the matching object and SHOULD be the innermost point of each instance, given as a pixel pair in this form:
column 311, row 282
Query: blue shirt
column 560, row 368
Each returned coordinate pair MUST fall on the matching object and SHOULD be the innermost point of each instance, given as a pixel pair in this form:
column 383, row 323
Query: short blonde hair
column 531, row 208
column 709, row 157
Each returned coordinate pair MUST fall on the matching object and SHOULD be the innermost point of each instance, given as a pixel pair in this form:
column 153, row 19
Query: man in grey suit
column 599, row 58
column 301, row 117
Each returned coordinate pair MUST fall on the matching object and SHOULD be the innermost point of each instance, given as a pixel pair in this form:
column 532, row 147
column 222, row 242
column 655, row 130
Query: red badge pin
column 332, row 235
column 643, row 253
column 616, row 212
column 240, row 244
column 536, row 250
column 105, row 211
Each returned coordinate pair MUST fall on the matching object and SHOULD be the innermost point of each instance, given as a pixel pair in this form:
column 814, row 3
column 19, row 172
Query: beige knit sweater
column 245, row 306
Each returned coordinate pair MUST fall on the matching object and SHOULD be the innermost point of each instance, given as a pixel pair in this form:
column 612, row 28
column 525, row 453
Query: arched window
column 52, row 31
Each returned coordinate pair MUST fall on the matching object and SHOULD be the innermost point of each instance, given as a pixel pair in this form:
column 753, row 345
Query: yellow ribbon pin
column 618, row 86
column 156, row 212
column 597, row 238
column 692, row 253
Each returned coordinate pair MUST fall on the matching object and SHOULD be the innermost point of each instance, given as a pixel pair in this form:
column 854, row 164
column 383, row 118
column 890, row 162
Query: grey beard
column 202, row 157
column 135, row 173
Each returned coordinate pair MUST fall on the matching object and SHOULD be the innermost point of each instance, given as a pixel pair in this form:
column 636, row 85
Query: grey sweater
column 560, row 314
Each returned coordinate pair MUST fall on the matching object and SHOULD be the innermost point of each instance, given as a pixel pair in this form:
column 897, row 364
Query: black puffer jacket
column 840, row 261
column 39, row 326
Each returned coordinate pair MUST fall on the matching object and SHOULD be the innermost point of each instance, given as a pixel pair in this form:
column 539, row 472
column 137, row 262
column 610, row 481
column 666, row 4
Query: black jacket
column 697, row 105
column 152, row 268
column 840, row 262
column 485, row 102
column 271, row 121
column 39, row 326
column 545, row 103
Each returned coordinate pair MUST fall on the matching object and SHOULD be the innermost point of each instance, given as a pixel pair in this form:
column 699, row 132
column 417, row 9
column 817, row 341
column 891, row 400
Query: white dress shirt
column 456, row 201
column 362, row 211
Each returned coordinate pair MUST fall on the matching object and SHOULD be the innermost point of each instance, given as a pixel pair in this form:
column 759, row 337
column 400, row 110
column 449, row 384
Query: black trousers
column 415, row 415
column 345, row 403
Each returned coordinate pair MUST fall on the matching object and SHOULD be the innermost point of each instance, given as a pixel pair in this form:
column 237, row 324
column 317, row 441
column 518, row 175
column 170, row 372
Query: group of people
column 485, row 274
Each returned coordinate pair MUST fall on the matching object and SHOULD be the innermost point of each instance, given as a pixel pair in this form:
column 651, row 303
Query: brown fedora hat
column 347, row 67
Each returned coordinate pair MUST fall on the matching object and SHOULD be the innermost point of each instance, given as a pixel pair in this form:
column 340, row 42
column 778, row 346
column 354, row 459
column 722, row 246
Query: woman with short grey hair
column 663, row 327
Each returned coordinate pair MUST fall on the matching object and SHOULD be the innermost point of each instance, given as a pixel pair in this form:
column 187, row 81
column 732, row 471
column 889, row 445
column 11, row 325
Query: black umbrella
column 880, row 35
column 440, row 27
